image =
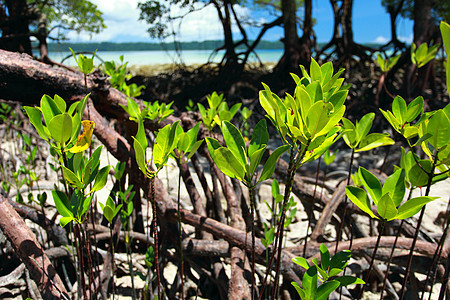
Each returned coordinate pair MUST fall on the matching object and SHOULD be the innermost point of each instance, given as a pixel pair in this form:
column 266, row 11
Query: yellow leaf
column 84, row 139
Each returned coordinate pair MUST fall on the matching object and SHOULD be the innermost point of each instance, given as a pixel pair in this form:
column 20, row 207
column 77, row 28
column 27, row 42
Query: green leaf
column 235, row 142
column 324, row 291
column 194, row 149
column 62, row 204
column 359, row 197
column 65, row 220
column 316, row 72
column 347, row 280
column 417, row 175
column 324, row 257
column 228, row 163
column 184, row 141
column 35, row 117
column 317, row 117
column 260, row 137
column 395, row 185
column 439, row 128
column 60, row 127
column 269, row 166
column 302, row 262
column 164, row 144
column 100, row 179
column 399, row 109
column 445, row 31
column 309, row 282
column 413, row 206
column 374, row 140
column 255, row 159
column 49, row 109
column 61, row 103
column 340, row 260
column 140, row 135
column 299, row 290
column 371, row 183
column 386, row 207
column 140, row 156
column 363, row 127
column 212, row 145
column 415, row 108
column 72, row 179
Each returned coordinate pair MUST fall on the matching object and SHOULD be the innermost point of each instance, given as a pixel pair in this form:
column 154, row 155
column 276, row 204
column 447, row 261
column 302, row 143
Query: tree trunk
column 306, row 41
column 16, row 34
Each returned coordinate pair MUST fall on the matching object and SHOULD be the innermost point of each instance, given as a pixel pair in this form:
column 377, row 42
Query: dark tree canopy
column 21, row 21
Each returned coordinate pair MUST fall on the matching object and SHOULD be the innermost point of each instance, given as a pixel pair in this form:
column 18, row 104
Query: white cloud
column 407, row 39
column 121, row 18
column 381, row 40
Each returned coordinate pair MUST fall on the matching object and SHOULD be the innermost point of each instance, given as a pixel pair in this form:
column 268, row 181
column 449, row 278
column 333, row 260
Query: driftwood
column 30, row 252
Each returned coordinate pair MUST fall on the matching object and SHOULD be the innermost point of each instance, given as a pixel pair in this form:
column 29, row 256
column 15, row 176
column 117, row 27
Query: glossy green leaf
column 62, row 204
column 359, row 197
column 315, row 71
column 309, row 282
column 412, row 207
column 299, row 290
column 194, row 147
column 395, row 185
column 302, row 262
column 399, row 109
column 374, row 140
column 347, row 280
column 324, row 257
column 228, row 163
column 49, row 108
column 140, row 156
column 371, row 183
column 324, row 291
column 100, row 179
column 259, row 138
column 212, row 145
column 439, row 128
column 415, row 108
column 65, row 220
column 363, row 126
column 386, row 207
column 445, row 31
column 340, row 260
column 317, row 118
column 61, row 103
column 35, row 117
column 72, row 179
column 235, row 142
column 141, row 136
column 329, row 158
column 60, row 127
column 255, row 159
column 269, row 166
column 417, row 175
column 184, row 141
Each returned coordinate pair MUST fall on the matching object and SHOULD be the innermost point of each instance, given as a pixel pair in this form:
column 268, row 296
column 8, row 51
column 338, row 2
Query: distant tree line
column 142, row 46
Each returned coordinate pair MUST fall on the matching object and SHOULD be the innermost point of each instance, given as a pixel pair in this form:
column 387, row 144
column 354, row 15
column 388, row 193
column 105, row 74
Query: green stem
column 312, row 206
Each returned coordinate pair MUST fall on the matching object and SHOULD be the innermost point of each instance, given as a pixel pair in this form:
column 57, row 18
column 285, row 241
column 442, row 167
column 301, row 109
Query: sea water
column 188, row 57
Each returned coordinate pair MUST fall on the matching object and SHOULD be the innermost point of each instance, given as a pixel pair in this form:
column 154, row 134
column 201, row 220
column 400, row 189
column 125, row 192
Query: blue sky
column 370, row 23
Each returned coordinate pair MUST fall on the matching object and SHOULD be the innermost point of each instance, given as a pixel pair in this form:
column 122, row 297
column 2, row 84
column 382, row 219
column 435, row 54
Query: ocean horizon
column 157, row 57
